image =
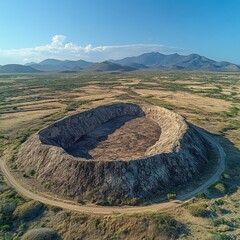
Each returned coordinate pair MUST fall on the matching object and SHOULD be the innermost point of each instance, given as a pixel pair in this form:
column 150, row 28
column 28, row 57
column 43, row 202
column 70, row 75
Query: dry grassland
column 209, row 100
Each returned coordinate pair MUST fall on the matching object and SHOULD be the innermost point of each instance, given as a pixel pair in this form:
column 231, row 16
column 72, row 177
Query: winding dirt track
column 111, row 209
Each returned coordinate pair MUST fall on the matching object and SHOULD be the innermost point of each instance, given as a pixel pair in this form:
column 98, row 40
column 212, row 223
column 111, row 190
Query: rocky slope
column 179, row 156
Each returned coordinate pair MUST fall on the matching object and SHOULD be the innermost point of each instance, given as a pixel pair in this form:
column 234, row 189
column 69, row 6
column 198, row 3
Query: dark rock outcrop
column 178, row 157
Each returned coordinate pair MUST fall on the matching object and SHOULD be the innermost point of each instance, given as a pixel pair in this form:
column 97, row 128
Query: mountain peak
column 50, row 61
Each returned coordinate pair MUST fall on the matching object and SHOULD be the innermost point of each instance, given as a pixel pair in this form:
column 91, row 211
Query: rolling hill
column 17, row 68
column 54, row 65
column 109, row 66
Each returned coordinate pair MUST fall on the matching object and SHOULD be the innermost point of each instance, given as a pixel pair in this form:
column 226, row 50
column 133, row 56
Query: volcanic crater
column 115, row 153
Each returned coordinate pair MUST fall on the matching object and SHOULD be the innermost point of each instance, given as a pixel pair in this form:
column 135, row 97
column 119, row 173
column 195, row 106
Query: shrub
column 222, row 221
column 198, row 210
column 10, row 196
column 222, row 236
column 97, row 222
column 22, row 139
column 167, row 225
column 171, row 196
column 19, row 141
column 22, row 227
column 8, row 208
column 220, row 187
column 71, row 107
column 110, row 200
column 201, row 195
column 4, row 228
column 80, row 200
column 54, row 209
column 219, row 202
column 28, row 210
column 29, row 173
column 132, row 201
column 225, row 176
column 3, row 137
column 41, row 234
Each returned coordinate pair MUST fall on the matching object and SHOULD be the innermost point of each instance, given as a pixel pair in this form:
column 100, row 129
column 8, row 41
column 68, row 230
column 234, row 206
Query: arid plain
column 210, row 101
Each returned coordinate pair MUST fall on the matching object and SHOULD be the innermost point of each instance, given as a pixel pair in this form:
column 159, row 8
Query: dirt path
column 110, row 209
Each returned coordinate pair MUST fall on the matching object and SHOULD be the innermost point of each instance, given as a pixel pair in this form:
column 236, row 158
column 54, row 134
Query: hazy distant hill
column 54, row 65
column 17, row 68
column 52, row 62
column 30, row 63
column 109, row 66
column 137, row 66
column 153, row 60
column 176, row 61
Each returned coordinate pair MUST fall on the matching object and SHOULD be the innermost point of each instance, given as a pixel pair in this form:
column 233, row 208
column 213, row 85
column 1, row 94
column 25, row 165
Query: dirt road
column 110, row 209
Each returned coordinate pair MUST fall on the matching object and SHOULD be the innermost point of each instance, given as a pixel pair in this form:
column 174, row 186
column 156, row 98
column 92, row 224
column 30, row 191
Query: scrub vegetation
column 29, row 102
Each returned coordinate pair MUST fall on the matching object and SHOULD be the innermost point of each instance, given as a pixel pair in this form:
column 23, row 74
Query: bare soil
column 122, row 138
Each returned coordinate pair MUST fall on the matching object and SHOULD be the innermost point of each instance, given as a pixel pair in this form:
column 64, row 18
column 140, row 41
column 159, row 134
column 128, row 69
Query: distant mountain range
column 158, row 60
column 146, row 61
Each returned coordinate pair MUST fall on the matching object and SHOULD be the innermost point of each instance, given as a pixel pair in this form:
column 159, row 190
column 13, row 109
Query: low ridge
column 109, row 66
column 17, row 68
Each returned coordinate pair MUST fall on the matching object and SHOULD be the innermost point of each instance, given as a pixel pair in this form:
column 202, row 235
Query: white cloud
column 58, row 40
column 60, row 50
column 88, row 48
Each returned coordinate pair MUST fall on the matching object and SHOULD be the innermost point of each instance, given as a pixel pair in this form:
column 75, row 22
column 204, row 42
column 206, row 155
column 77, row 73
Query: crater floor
column 122, row 138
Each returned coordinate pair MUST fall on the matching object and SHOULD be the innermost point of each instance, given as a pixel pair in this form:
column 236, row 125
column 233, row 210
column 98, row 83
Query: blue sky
column 102, row 29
